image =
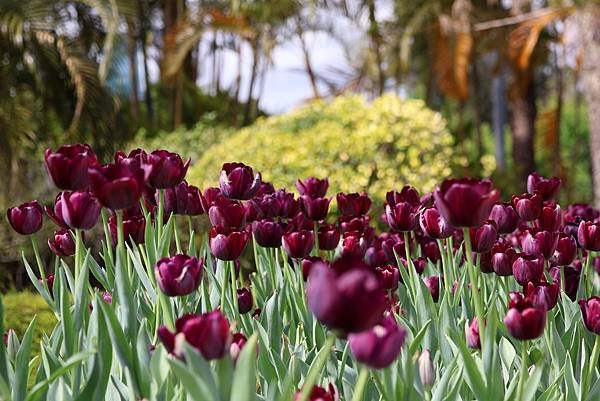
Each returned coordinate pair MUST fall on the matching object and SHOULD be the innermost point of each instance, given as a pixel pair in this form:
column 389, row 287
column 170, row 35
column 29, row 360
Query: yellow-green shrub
column 372, row 146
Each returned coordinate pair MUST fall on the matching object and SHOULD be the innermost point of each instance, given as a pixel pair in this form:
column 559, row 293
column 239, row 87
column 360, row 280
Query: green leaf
column 532, row 383
column 196, row 389
column 38, row 390
column 244, row 378
column 416, row 342
column 19, row 386
column 473, row 374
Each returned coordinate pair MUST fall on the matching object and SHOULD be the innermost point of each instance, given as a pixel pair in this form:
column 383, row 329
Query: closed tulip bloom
column 26, row 219
column 137, row 158
column 566, row 250
column 227, row 244
column 590, row 312
column 528, row 206
column 528, row 268
column 329, row 237
column 318, row 393
column 80, row 210
column 472, row 334
column 267, row 233
column 134, row 229
column 62, row 243
column 433, row 224
column 379, row 346
column 523, row 320
column 348, row 299
column 393, row 246
column 313, row 187
column 209, row 197
column 298, row 244
column 375, row 256
column 183, row 199
column 420, row 264
column 314, row 208
column 503, row 257
column 543, row 295
column 208, row 333
column 465, row 202
column 551, row 217
column 505, row 216
column 433, row 285
column 117, row 186
column 107, row 297
column 353, row 204
column 289, row 206
column 389, row 277
column 402, row 216
column 482, row 238
column 536, row 242
column 547, row 187
column 431, row 251
column 407, row 194
column 238, row 181
column 68, row 166
column 572, row 277
column 353, row 244
column 245, row 300
column 299, row 222
column 227, row 213
column 49, row 282
column 238, row 341
column 55, row 212
column 308, row 263
column 167, row 169
column 178, row 275
column 426, row 369
column 588, row 235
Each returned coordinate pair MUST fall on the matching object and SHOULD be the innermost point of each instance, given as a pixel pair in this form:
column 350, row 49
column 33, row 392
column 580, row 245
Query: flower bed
column 464, row 298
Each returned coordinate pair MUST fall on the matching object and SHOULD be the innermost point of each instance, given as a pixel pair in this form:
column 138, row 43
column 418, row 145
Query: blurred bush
column 372, row 146
column 19, row 310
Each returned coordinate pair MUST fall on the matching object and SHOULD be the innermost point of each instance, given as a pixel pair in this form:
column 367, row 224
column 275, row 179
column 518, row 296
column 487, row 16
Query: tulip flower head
column 590, row 313
column 546, row 187
column 238, row 181
column 353, row 204
column 62, row 243
column 167, row 169
column 68, row 166
column 80, row 210
column 524, row 321
column 505, row 217
column 465, row 202
column 178, row 275
column 117, row 186
column 379, row 346
column 227, row 244
column 26, row 219
column 313, row 187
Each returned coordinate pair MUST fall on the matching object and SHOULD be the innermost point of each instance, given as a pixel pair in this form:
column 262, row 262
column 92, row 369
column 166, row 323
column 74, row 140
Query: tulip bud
column 505, row 216
column 537, row 242
column 392, row 246
column 402, row 216
column 299, row 222
column 107, row 297
column 313, row 187
column 353, row 204
column 547, row 187
column 62, row 243
column 68, row 166
column 238, row 181
column 426, row 369
column 314, row 209
column 80, row 210
column 320, row 394
column 419, row 264
column 433, row 285
column 346, row 297
column 472, row 334
column 209, row 197
column 49, row 282
column 528, row 206
column 590, row 313
column 523, row 320
column 134, row 229
column 503, row 257
column 26, row 219
column 482, row 238
column 267, row 233
column 308, row 263
column 543, row 295
column 433, row 224
column 551, row 217
column 208, row 333
column 379, row 346
column 353, row 244
column 329, row 237
column 167, row 169
column 226, row 213
column 178, row 275
column 298, row 244
column 389, row 277
column 407, row 194
column 588, row 235
column 245, row 300
column 465, row 202
column 431, row 251
column 572, row 277
column 184, row 200
column 227, row 244
column 238, row 342
column 528, row 268
column 566, row 250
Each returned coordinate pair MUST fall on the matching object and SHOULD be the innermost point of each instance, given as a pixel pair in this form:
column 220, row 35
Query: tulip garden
column 304, row 295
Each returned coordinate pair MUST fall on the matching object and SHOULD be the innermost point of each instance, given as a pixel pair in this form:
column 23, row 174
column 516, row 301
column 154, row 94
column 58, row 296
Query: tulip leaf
column 473, row 375
column 441, row 387
column 571, row 384
column 98, row 273
column 200, row 366
column 194, row 386
column 38, row 390
column 141, row 274
column 34, row 280
column 19, row 386
column 244, row 379
column 532, row 383
column 416, row 342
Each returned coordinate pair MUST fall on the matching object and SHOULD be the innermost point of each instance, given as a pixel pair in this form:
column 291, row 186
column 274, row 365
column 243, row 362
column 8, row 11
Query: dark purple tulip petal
column 267, row 233
column 227, row 244
column 26, row 219
column 68, row 166
column 543, row 295
column 298, row 244
column 245, row 300
column 588, row 235
column 528, row 206
column 465, row 202
column 379, row 346
column 178, row 275
column 505, row 216
column 528, row 268
column 313, row 187
column 62, row 243
column 547, row 187
column 117, row 186
column 523, row 320
column 238, row 181
column 167, row 169
column 353, row 204
column 433, row 224
column 590, row 313
column 80, row 210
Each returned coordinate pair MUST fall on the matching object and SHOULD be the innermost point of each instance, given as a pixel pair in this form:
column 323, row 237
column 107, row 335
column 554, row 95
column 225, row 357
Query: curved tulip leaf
column 244, row 378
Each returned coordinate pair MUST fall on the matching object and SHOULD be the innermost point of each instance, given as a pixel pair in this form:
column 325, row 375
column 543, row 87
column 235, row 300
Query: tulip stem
column 523, row 372
column 231, row 266
column 176, row 235
column 159, row 215
column 473, row 277
column 316, row 367
column 38, row 260
column 590, row 370
column 315, row 251
column 224, row 281
column 447, row 285
column 361, row 384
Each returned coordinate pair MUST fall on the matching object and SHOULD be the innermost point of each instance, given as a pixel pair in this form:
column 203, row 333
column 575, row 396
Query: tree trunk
column 498, row 94
column 255, row 60
column 147, row 94
column 133, row 73
column 307, row 63
column 589, row 22
column 376, row 43
column 523, row 124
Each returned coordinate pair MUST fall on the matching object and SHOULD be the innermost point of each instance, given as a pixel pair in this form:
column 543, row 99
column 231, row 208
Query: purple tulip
column 184, row 200
column 238, row 181
column 503, row 257
column 523, row 320
column 80, row 210
column 547, row 187
column 379, row 346
column 566, row 250
column 227, row 213
column 572, row 278
column 298, row 244
column 353, row 244
column 314, row 208
column 238, row 341
column 433, row 224
column 208, row 333
column 472, row 334
column 329, row 237
column 536, row 242
column 353, row 204
column 528, row 206
column 178, row 275
column 505, row 216
column 318, row 393
column 62, row 243
column 313, row 187
column 245, row 300
column 134, row 228
column 543, row 295
column 551, row 218
column 465, row 202
column 210, row 197
column 308, row 263
column 433, row 285
column 346, row 297
column 68, row 166
column 227, row 244
column 117, row 186
column 267, row 233
column 389, row 277
column 26, row 219
column 590, row 313
column 483, row 237
column 588, row 235
column 167, row 169
column 528, row 268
